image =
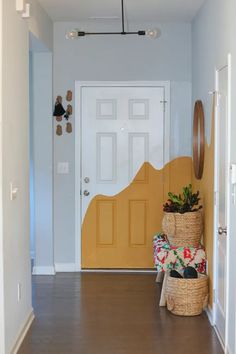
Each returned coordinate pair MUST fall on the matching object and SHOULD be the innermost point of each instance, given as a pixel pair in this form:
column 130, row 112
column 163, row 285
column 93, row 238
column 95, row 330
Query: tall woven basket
column 187, row 297
column 183, row 230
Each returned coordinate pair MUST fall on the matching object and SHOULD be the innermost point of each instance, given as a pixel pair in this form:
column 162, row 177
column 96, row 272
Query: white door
column 122, row 129
column 222, row 173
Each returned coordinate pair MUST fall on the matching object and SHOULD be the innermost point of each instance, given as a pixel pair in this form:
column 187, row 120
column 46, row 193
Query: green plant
column 183, row 203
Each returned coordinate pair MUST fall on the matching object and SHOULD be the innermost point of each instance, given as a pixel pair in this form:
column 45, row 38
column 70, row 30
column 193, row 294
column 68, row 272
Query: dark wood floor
column 111, row 314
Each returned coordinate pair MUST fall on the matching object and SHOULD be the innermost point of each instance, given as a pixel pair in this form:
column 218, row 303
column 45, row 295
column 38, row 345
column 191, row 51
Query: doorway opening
column 222, row 200
column 122, row 146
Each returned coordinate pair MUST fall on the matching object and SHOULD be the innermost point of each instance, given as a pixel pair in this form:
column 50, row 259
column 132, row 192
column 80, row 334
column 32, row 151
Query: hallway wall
column 42, row 159
column 213, row 38
column 2, row 310
column 118, row 59
column 15, row 169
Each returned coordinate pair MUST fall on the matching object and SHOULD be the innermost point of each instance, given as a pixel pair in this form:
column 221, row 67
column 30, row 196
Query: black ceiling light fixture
column 151, row 33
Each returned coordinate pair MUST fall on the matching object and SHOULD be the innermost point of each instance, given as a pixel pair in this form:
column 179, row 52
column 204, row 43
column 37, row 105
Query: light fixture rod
column 152, row 33
column 123, row 16
column 82, row 34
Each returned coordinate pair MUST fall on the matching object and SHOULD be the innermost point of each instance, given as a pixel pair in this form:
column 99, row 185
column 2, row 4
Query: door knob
column 222, row 230
column 86, row 180
column 86, row 193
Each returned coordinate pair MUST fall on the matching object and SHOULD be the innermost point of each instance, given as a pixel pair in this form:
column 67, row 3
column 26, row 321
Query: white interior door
column 123, row 129
column 222, row 172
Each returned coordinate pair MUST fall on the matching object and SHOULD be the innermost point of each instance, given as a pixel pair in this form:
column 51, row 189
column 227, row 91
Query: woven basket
column 183, row 230
column 187, row 297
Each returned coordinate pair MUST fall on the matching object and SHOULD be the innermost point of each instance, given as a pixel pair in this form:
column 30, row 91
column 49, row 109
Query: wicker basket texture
column 183, row 230
column 187, row 297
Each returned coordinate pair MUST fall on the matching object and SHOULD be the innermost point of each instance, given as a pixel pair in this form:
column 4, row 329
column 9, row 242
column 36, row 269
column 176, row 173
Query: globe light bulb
column 72, row 34
column 153, row 33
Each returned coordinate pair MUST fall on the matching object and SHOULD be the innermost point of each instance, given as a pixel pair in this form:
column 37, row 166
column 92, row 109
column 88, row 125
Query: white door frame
column 216, row 196
column 78, row 134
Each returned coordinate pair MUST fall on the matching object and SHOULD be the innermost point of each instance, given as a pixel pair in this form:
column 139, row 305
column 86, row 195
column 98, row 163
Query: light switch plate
column 63, row 168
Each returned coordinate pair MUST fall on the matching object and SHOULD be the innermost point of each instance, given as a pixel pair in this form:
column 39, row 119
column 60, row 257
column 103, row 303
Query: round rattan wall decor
column 198, row 139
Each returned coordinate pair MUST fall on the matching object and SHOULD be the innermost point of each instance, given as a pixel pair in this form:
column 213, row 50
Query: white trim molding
column 65, row 267
column 209, row 312
column 216, row 192
column 23, row 332
column 228, row 351
column 78, row 131
column 221, row 341
column 43, row 270
column 120, row 271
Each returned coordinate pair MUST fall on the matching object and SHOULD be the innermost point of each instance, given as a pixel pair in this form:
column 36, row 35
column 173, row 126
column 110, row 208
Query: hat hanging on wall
column 69, row 111
column 59, row 112
column 58, row 109
column 69, row 96
column 59, row 130
column 68, row 127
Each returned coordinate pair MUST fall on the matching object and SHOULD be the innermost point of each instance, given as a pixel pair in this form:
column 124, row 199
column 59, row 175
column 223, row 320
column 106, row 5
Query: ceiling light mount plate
column 20, row 6
column 23, row 8
column 26, row 14
column 151, row 33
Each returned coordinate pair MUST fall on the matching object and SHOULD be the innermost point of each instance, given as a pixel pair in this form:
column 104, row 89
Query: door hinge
column 164, row 104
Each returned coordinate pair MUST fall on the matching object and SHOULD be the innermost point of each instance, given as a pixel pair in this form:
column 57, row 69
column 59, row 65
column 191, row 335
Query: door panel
column 138, row 222
column 222, row 211
column 106, row 223
column 123, row 137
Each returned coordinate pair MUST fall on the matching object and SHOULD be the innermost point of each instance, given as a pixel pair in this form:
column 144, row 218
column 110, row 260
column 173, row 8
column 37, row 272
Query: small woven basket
column 187, row 297
column 183, row 230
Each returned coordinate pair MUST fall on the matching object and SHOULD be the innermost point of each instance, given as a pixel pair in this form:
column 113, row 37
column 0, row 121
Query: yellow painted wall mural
column 206, row 188
column 117, row 231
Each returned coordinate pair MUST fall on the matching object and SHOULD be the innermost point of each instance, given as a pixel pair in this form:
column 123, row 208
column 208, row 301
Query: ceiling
column 136, row 10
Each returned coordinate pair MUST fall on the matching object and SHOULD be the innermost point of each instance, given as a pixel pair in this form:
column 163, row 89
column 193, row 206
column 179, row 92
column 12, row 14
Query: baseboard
column 139, row 271
column 228, row 351
column 43, row 270
column 220, row 340
column 65, row 267
column 209, row 313
column 23, row 332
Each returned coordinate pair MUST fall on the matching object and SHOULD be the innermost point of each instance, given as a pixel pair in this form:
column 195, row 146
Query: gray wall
column 117, row 59
column 213, row 38
column 42, row 160
column 32, row 202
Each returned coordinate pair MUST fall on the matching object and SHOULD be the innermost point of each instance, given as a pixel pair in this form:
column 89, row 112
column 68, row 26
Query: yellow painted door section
column 122, row 174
